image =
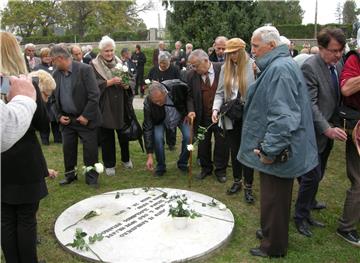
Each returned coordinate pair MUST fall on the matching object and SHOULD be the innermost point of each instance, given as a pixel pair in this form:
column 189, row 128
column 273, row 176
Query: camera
column 5, row 85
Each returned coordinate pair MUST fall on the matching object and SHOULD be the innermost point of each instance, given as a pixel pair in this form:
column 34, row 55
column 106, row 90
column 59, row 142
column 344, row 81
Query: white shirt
column 15, row 118
column 211, row 74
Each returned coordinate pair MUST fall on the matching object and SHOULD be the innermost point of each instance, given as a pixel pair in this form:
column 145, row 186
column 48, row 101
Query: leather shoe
column 313, row 222
column 259, row 234
column 318, row 206
column 248, row 194
column 257, row 252
column 68, row 180
column 236, row 187
column 202, row 175
column 221, row 179
column 303, row 228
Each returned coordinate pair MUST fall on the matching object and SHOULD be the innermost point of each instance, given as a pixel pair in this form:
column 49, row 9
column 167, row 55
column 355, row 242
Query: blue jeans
column 159, row 146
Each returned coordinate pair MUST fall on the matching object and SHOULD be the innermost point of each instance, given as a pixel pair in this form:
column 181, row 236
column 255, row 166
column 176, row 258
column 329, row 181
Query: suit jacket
column 324, row 98
column 85, row 93
column 295, row 53
column 23, row 166
column 194, row 101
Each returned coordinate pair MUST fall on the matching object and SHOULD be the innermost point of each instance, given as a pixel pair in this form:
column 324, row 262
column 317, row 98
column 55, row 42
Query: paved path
column 138, row 103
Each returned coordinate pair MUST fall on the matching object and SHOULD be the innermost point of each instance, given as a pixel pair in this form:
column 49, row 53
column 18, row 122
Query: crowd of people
column 270, row 110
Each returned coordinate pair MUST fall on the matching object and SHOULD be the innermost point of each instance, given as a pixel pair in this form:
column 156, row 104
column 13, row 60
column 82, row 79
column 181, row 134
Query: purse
column 233, row 109
column 347, row 117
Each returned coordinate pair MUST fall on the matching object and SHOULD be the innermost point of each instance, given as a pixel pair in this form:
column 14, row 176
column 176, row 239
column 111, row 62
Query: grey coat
column 324, row 100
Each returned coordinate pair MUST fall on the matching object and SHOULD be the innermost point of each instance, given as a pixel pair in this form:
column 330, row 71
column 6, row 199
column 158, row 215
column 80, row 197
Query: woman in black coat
column 23, row 172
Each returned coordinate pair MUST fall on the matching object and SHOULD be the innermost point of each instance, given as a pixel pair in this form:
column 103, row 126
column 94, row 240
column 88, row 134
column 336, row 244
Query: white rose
column 222, row 207
column 89, row 168
column 132, row 69
column 147, row 81
column 51, row 68
column 190, row 201
column 118, row 66
column 173, row 204
column 185, row 207
column 183, row 69
column 98, row 212
column 190, row 147
column 173, row 193
column 136, row 192
column 125, row 68
column 99, row 168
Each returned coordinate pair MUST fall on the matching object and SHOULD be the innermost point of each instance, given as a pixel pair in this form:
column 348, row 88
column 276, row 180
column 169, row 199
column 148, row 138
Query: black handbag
column 347, row 117
column 233, row 109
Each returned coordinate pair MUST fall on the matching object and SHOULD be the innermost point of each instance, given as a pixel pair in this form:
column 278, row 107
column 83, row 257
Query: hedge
column 307, row 31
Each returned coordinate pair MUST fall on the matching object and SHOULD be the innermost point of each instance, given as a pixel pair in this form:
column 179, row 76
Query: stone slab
column 136, row 227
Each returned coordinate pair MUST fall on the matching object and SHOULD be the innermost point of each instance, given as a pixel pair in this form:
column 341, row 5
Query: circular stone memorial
column 136, row 227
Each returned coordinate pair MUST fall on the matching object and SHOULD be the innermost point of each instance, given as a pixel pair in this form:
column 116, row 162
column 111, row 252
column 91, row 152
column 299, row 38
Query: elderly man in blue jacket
column 278, row 136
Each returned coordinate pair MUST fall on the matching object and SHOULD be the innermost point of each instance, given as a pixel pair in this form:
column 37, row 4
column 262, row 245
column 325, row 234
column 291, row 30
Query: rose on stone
column 136, row 192
column 222, row 206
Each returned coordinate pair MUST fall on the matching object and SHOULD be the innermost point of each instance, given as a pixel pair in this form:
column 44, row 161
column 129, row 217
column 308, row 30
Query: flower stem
column 92, row 251
column 73, row 224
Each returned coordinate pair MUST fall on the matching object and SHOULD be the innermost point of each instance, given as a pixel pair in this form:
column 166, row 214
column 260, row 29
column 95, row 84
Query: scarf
column 105, row 68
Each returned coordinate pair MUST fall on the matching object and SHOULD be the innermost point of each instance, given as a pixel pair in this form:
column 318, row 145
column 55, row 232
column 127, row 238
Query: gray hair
column 220, row 38
column 157, row 86
column 268, row 34
column 164, row 56
column 31, row 45
column 188, row 45
column 199, row 54
column 285, row 41
column 59, row 51
column 106, row 41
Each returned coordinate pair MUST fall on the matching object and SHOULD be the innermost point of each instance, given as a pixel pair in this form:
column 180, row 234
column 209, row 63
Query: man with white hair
column 218, row 55
column 278, row 136
column 157, row 52
column 31, row 60
column 89, row 55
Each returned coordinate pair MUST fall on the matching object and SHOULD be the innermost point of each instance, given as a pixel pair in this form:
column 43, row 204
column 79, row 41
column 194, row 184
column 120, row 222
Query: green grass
column 324, row 246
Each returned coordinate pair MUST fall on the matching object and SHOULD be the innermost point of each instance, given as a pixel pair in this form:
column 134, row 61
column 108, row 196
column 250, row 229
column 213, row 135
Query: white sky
column 326, row 12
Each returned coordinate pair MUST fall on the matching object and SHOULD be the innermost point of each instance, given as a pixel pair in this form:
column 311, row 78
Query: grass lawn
column 324, row 246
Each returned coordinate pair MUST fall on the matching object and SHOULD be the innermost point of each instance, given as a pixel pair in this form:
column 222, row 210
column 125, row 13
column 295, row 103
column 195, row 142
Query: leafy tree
column 200, row 22
column 281, row 12
column 349, row 12
column 338, row 13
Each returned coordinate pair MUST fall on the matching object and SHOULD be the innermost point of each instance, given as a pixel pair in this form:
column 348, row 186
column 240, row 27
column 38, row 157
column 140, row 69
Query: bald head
column 219, row 45
column 76, row 53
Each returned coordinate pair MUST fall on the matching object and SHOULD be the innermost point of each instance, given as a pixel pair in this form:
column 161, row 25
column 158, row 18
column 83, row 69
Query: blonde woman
column 23, row 169
column 236, row 75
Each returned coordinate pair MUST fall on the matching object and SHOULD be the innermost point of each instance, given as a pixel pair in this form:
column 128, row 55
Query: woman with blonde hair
column 236, row 75
column 23, row 169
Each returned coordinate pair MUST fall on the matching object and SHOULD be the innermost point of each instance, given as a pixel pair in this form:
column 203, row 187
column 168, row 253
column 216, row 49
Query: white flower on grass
column 185, row 207
column 125, row 69
column 99, row 168
column 190, row 147
column 118, row 66
column 136, row 192
column 222, row 206
column 97, row 211
column 147, row 81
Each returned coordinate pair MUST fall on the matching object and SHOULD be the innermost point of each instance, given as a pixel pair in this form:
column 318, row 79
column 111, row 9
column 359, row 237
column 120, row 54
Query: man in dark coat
column 139, row 59
column 202, row 81
column 76, row 107
column 218, row 54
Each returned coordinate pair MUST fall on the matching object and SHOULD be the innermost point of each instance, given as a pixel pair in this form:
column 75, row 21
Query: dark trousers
column 351, row 213
column 18, row 232
column 221, row 151
column 139, row 81
column 171, row 137
column 108, row 147
column 55, row 131
column 70, row 134
column 309, row 185
column 233, row 140
column 275, row 204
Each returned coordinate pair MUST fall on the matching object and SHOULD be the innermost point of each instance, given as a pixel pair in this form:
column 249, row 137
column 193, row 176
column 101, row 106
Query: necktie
column 207, row 80
column 334, row 80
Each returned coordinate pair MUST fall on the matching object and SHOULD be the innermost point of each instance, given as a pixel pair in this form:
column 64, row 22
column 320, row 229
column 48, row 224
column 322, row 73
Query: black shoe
column 68, row 180
column 303, row 228
column 236, row 187
column 202, row 175
column 352, row 237
column 221, row 179
column 248, row 194
column 259, row 234
column 159, row 173
column 318, row 205
column 257, row 252
column 172, row 148
column 313, row 222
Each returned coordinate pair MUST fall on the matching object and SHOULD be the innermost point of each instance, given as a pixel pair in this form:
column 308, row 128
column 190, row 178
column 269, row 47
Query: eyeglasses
column 335, row 51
